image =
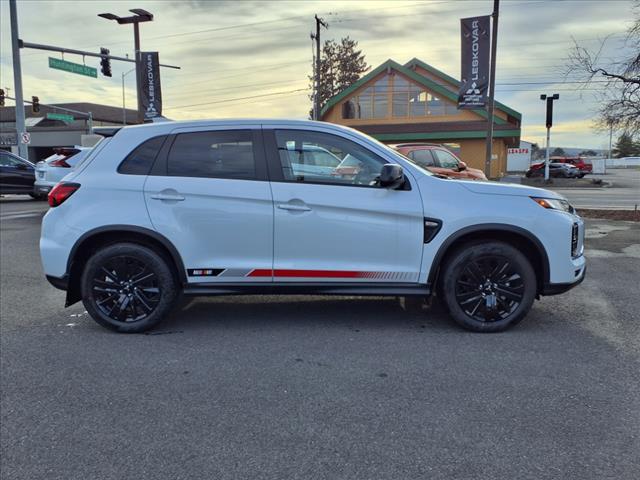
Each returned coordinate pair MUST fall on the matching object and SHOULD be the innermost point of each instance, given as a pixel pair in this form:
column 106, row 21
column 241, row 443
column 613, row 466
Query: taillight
column 60, row 163
column 61, row 192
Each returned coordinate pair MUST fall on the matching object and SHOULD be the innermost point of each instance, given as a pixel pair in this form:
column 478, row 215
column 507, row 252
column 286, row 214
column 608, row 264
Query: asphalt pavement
column 623, row 194
column 320, row 387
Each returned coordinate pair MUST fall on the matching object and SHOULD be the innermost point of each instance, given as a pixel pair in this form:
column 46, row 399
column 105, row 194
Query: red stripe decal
column 310, row 273
column 260, row 273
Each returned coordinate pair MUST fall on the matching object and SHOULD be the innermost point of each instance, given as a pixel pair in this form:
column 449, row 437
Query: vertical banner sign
column 149, row 91
column 476, row 42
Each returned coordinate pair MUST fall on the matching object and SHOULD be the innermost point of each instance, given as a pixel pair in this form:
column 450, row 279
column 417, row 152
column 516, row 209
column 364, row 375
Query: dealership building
column 416, row 102
column 53, row 127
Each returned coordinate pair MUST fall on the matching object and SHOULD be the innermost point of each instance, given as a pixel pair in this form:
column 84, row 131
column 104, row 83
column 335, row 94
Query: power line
column 239, row 98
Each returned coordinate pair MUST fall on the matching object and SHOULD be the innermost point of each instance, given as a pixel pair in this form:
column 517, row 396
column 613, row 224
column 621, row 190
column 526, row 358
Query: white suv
column 227, row 207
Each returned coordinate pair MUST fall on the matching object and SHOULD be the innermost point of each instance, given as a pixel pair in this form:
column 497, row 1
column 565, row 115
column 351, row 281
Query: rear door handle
column 293, row 207
column 168, row 197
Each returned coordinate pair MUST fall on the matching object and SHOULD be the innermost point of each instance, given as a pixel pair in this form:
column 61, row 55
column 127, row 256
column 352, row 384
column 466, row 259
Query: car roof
column 416, row 144
column 164, row 127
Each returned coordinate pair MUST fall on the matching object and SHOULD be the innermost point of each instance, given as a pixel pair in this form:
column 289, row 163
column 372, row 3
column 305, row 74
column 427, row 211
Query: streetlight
column 139, row 16
column 549, row 123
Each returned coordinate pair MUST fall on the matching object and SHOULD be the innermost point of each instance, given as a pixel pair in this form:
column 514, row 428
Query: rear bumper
column 41, row 189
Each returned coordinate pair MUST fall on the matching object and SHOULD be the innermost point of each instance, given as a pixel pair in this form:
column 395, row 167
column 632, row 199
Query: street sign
column 25, row 138
column 59, row 64
column 60, row 116
column 8, row 139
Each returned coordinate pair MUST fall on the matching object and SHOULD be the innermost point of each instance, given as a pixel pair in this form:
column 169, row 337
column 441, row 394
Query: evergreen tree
column 341, row 65
column 625, row 147
column 558, row 152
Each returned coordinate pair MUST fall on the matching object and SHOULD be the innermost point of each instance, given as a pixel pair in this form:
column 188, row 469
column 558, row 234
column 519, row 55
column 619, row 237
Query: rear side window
column 140, row 161
column 214, row 154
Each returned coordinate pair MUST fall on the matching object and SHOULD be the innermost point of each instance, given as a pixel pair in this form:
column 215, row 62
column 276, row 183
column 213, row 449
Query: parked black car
column 16, row 174
column 556, row 170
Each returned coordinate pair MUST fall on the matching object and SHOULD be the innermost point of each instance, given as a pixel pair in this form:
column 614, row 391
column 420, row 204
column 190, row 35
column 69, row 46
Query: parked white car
column 53, row 168
column 214, row 208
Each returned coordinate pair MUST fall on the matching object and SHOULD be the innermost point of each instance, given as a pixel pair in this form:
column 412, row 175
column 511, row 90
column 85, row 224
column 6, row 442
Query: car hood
column 513, row 189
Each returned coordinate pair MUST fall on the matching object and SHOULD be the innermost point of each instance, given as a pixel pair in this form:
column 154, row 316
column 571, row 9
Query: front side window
column 344, row 162
column 445, row 159
column 213, row 154
column 422, row 157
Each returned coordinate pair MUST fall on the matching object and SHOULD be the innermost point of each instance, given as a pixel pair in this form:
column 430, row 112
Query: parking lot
column 320, row 387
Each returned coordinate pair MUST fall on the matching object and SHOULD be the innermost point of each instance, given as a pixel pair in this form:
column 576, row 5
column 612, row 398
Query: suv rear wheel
column 488, row 287
column 128, row 288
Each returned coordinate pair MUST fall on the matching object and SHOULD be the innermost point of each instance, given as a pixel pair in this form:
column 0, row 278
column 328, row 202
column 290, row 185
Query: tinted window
column 343, row 162
column 221, row 154
column 446, row 159
column 8, row 161
column 422, row 157
column 140, row 161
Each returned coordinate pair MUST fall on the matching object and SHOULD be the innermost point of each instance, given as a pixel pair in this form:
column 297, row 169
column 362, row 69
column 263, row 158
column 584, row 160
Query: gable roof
column 438, row 73
column 419, row 79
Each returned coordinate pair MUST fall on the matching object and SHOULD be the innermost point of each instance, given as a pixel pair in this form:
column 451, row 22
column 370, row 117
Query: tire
column 489, row 306
column 128, row 288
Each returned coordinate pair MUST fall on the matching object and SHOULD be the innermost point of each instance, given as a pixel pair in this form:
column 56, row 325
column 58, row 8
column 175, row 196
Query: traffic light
column 35, row 104
column 1, row 97
column 105, row 62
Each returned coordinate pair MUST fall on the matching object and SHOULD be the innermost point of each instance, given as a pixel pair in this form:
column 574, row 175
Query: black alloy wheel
column 128, row 288
column 125, row 289
column 488, row 286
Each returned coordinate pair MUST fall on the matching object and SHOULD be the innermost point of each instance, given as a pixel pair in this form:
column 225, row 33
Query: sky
column 231, row 50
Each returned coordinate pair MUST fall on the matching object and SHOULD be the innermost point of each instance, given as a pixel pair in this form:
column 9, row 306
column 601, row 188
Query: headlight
column 554, row 204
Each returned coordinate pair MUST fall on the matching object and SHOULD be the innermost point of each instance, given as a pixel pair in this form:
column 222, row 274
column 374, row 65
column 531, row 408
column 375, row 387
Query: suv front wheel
column 488, row 287
column 128, row 288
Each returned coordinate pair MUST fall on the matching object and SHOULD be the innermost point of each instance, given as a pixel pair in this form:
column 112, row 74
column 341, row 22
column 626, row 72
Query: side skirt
column 358, row 289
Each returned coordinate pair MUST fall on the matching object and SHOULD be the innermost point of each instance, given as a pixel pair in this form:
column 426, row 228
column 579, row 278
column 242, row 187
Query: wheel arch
column 111, row 234
column 518, row 237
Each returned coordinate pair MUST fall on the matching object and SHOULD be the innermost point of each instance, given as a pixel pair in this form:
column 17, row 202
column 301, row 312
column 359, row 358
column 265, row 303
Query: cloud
column 249, row 48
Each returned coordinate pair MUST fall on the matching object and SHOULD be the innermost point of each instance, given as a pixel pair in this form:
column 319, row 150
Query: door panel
column 341, row 228
column 222, row 227
column 347, row 233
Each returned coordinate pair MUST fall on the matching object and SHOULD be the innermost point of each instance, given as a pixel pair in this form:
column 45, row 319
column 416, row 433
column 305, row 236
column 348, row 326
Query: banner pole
column 492, row 87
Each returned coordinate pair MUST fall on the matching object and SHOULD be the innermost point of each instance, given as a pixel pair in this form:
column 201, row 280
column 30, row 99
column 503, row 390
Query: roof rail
column 106, row 131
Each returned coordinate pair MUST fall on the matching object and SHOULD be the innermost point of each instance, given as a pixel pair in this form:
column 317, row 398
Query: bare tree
column 620, row 100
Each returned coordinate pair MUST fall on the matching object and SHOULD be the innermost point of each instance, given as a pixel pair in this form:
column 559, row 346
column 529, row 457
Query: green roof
column 416, row 77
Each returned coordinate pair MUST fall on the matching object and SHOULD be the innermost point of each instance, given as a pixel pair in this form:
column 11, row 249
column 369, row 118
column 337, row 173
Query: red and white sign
column 25, row 138
column 514, row 151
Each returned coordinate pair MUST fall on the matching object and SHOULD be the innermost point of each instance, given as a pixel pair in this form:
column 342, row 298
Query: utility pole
column 124, row 111
column 610, row 136
column 549, row 123
column 492, row 87
column 23, row 149
column 316, row 95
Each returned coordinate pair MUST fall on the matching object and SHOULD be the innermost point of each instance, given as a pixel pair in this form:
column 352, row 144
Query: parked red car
column 578, row 162
column 438, row 159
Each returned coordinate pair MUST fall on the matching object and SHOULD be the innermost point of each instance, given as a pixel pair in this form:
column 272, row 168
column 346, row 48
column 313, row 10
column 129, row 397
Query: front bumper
column 559, row 288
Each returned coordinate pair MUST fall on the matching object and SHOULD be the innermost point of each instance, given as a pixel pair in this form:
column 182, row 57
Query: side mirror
column 391, row 176
column 462, row 166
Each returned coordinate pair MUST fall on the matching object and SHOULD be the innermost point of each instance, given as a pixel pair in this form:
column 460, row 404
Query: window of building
column 413, row 100
column 214, row 154
column 372, row 102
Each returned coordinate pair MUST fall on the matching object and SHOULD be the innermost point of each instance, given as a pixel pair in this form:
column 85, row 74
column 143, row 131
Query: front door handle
column 293, row 207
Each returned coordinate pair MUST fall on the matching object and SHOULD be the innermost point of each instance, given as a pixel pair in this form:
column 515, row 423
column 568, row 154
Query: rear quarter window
column 140, row 160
